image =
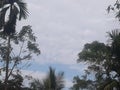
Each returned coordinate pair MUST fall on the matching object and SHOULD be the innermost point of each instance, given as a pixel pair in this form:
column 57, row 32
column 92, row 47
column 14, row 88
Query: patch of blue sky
column 69, row 70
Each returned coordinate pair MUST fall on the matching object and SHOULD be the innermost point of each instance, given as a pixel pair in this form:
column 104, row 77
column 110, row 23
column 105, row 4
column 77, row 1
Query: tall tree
column 23, row 45
column 17, row 9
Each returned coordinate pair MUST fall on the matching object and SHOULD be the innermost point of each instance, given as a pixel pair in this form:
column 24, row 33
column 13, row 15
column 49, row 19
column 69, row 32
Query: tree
column 103, row 60
column 96, row 55
column 15, row 7
column 22, row 46
column 51, row 82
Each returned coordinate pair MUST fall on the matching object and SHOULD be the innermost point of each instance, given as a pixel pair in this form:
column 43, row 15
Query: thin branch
column 12, row 68
column 27, row 63
column 13, row 53
column 21, row 49
column 15, row 63
column 7, row 63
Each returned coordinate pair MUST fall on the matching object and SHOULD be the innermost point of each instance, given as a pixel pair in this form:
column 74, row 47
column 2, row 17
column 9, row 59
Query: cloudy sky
column 62, row 28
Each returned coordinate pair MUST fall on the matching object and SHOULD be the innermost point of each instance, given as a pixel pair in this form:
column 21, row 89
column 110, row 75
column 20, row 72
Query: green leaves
column 33, row 47
column 26, row 34
column 82, row 84
column 93, row 52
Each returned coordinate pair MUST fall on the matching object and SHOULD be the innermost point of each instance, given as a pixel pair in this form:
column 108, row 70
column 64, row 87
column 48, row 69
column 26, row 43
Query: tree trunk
column 8, row 55
column 7, row 63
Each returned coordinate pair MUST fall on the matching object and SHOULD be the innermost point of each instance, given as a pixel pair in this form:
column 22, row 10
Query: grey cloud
column 64, row 26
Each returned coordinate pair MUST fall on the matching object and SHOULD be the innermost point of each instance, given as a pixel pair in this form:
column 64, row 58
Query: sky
column 62, row 28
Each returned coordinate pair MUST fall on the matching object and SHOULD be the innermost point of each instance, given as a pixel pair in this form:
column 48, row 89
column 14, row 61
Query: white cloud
column 31, row 75
column 64, row 26
column 79, row 67
column 34, row 74
column 68, row 83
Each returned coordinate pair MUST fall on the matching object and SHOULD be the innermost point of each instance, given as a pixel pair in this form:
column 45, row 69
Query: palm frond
column 52, row 78
column 2, row 16
column 115, row 42
column 23, row 9
column 60, row 80
column 113, row 34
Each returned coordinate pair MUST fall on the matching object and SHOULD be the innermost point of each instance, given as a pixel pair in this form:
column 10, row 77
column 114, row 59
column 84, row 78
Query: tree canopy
column 103, row 60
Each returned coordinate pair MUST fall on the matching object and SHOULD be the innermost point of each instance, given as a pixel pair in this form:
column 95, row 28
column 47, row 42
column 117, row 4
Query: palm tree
column 51, row 82
column 115, row 43
column 17, row 10
column 115, row 49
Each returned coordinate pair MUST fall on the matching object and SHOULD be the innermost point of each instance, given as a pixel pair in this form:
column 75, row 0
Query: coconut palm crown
column 10, row 12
